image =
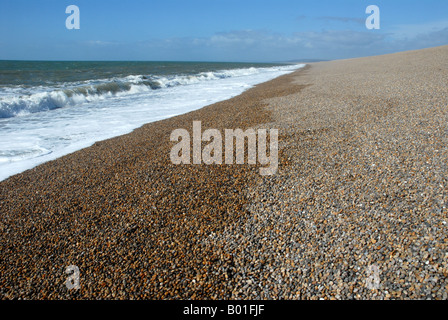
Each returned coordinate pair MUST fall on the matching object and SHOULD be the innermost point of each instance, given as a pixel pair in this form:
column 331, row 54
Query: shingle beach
column 356, row 210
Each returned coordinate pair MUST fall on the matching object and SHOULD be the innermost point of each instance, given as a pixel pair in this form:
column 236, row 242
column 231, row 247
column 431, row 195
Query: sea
column 50, row 109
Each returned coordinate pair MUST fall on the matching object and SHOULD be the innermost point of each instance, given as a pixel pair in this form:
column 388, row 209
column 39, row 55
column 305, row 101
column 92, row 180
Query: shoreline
column 136, row 113
column 48, row 201
column 357, row 209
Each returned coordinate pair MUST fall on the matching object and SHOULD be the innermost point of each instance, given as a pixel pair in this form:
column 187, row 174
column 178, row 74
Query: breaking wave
column 73, row 94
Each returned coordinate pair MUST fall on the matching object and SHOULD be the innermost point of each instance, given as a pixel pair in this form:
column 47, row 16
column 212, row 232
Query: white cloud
column 262, row 45
column 100, row 43
column 409, row 31
column 361, row 21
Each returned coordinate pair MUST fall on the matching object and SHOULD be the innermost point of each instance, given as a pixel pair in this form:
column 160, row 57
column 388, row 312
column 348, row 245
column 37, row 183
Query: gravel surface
column 357, row 209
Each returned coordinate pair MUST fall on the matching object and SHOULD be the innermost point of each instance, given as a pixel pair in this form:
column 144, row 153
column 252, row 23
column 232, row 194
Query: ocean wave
column 66, row 95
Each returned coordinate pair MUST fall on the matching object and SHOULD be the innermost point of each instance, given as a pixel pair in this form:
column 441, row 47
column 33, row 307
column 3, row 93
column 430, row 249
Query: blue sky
column 217, row 30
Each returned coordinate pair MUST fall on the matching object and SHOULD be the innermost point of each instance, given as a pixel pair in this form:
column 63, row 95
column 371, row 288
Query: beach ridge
column 357, row 209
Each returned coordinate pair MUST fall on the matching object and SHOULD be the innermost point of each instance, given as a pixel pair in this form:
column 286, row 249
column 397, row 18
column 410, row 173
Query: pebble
column 362, row 178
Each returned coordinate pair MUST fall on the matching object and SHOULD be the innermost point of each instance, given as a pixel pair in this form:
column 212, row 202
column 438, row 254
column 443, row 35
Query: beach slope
column 357, row 208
